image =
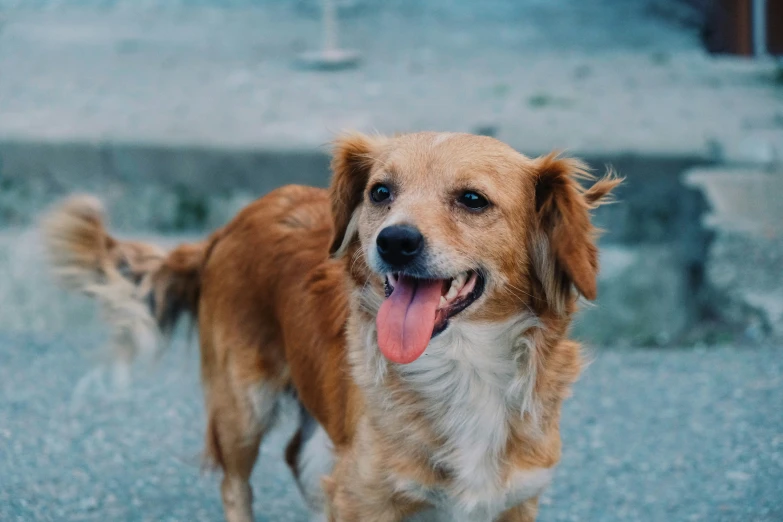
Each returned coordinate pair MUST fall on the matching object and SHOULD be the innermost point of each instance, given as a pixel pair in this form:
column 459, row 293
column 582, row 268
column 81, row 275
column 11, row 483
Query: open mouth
column 416, row 310
column 456, row 294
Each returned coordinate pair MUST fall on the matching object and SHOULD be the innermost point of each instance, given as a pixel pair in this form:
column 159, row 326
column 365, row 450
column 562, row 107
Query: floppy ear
column 351, row 165
column 565, row 252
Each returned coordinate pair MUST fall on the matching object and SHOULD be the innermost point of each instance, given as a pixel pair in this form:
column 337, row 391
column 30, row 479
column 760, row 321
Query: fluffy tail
column 142, row 289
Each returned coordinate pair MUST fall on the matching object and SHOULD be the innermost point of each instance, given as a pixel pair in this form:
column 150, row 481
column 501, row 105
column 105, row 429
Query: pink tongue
column 407, row 317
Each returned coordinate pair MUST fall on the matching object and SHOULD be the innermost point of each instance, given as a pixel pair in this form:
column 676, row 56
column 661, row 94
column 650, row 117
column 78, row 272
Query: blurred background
column 177, row 113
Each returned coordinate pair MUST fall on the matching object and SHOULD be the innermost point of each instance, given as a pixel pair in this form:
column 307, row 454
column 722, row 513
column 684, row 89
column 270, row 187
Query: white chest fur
column 524, row 484
column 474, row 379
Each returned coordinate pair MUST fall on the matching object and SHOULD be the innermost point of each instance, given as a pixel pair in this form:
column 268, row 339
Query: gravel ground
column 649, row 436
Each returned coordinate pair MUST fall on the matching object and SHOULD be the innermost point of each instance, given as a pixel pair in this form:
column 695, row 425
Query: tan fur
column 276, row 312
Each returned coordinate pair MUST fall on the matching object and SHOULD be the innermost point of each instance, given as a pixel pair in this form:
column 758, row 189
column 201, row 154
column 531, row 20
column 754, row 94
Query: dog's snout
column 398, row 245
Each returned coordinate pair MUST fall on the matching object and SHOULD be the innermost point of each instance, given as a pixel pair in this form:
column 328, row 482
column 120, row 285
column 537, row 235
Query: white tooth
column 392, row 279
column 443, row 302
column 456, row 286
column 453, row 291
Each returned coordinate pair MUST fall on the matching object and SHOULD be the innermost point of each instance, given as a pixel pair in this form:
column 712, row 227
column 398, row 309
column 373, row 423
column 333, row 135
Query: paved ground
column 599, row 76
column 649, row 436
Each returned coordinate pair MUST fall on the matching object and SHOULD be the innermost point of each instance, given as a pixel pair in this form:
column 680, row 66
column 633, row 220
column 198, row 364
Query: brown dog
column 418, row 310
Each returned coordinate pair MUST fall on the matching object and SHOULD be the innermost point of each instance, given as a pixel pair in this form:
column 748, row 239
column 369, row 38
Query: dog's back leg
column 239, row 413
column 242, row 387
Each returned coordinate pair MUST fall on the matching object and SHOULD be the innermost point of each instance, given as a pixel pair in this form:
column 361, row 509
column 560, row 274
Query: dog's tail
column 142, row 289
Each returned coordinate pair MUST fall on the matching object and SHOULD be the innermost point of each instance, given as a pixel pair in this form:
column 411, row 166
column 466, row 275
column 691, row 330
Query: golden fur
column 276, row 313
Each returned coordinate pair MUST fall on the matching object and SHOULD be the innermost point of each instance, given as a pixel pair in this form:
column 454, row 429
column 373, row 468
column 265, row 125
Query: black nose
column 398, row 245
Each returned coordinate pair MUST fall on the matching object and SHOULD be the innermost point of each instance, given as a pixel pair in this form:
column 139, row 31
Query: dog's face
column 455, row 227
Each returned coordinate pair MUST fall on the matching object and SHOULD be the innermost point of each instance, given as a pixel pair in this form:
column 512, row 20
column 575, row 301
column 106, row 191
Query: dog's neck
column 473, row 385
column 475, row 381
column 470, row 362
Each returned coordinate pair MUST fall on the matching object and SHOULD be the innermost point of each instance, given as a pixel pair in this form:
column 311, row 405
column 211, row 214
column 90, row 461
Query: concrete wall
column 654, row 247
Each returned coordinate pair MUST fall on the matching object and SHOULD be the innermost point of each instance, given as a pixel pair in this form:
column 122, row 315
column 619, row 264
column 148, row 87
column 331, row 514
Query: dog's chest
column 468, row 383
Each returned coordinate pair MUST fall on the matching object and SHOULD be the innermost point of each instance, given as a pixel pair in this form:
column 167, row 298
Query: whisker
column 359, row 254
column 517, row 294
column 520, row 298
column 520, row 290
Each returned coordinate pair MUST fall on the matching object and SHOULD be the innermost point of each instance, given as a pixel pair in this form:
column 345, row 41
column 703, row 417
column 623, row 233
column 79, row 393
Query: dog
column 418, row 310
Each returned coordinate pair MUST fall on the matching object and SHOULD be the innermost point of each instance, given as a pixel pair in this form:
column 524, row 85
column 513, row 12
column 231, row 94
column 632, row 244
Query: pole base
column 329, row 60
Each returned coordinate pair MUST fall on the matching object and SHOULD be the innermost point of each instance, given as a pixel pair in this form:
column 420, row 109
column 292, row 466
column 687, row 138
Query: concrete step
column 745, row 261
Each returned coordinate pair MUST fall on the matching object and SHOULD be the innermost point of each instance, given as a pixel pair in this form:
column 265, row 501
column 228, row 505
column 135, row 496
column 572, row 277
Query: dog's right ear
column 352, row 162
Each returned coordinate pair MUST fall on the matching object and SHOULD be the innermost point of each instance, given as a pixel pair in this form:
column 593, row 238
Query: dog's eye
column 473, row 200
column 380, row 193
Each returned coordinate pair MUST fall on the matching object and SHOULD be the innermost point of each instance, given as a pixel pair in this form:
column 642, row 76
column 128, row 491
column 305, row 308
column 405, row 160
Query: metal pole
column 330, row 57
column 330, row 26
column 759, row 17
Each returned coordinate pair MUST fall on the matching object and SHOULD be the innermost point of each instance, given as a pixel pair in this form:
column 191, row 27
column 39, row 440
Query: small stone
column 88, row 503
column 738, row 476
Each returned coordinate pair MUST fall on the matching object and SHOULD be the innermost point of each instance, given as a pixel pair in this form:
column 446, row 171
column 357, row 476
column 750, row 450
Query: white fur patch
column 350, row 233
column 546, row 270
column 441, row 138
column 263, row 400
column 528, row 483
column 315, row 461
column 524, row 484
column 475, row 378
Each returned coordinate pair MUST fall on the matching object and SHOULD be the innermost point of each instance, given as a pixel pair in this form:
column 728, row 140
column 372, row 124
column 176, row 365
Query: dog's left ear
column 565, row 252
column 352, row 162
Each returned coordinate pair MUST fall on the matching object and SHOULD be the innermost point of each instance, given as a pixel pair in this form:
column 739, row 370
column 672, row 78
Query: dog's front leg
column 360, row 490
column 357, row 495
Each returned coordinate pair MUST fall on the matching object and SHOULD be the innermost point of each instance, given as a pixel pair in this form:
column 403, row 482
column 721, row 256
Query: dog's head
column 454, row 227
